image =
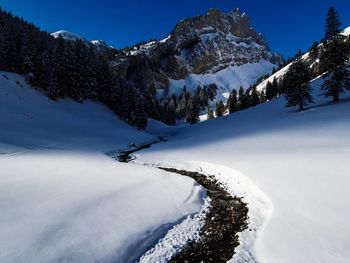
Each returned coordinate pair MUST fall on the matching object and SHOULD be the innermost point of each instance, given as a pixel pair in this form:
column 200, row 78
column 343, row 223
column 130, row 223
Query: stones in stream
column 227, row 217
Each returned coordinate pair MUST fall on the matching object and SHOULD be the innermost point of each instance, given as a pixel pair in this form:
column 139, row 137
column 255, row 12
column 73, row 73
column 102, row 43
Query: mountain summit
column 201, row 46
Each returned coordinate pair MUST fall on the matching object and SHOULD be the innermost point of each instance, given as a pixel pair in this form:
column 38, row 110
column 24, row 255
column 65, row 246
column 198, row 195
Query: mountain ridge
column 201, row 45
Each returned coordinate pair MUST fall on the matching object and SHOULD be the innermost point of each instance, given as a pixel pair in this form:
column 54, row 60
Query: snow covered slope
column 227, row 79
column 300, row 160
column 62, row 199
column 280, row 73
column 100, row 44
column 68, row 35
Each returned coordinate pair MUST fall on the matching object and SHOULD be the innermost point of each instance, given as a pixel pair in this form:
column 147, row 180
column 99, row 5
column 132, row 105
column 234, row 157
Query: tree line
column 80, row 71
column 70, row 69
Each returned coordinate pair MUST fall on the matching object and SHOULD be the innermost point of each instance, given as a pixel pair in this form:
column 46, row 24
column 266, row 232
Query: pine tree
column 243, row 98
column 333, row 24
column 203, row 97
column 254, row 97
column 276, row 88
column 334, row 57
column 220, row 109
column 181, row 108
column 59, row 72
column 272, row 89
column 171, row 120
column 298, row 90
column 232, row 102
column 210, row 115
column 53, row 91
column 138, row 116
column 192, row 114
column 270, row 92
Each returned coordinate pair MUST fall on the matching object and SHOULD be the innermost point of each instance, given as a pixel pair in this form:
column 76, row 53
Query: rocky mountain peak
column 198, row 46
column 234, row 23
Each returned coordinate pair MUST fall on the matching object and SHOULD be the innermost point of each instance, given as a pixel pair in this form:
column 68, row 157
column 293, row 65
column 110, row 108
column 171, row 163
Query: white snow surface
column 227, row 79
column 62, row 199
column 297, row 162
column 178, row 237
column 346, row 31
column 68, row 35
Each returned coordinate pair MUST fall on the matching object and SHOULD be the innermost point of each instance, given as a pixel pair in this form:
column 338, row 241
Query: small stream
column 227, row 216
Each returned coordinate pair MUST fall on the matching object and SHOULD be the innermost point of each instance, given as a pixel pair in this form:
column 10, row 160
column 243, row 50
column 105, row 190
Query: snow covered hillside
column 300, row 162
column 62, row 199
column 227, row 79
column 281, row 73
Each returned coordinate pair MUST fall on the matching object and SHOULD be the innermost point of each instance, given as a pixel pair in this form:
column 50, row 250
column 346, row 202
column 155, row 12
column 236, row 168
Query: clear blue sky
column 287, row 25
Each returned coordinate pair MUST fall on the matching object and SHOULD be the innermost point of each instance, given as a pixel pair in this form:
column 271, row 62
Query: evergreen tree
column 232, row 102
column 243, row 98
column 220, row 109
column 181, row 108
column 210, row 115
column 298, row 90
column 332, row 28
column 334, row 57
column 269, row 93
column 139, row 117
column 271, row 90
column 171, row 120
column 203, row 97
column 275, row 86
column 254, row 97
column 192, row 114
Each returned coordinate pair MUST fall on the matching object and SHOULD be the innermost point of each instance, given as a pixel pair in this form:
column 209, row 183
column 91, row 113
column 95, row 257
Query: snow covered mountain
column 216, row 47
column 100, row 44
column 59, row 190
column 68, row 35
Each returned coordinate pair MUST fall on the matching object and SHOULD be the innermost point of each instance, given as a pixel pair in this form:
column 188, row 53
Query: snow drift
column 62, row 199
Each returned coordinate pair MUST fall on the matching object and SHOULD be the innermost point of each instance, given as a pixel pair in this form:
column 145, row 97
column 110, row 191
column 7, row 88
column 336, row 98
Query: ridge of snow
column 68, row 35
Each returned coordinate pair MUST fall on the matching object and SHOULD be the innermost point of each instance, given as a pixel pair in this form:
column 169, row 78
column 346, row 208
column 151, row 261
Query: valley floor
column 63, row 199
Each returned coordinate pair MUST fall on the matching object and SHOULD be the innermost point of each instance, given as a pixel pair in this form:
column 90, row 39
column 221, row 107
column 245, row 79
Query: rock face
column 200, row 45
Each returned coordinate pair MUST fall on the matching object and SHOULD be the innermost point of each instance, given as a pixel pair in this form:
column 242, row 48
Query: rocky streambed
column 226, row 218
